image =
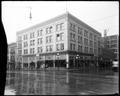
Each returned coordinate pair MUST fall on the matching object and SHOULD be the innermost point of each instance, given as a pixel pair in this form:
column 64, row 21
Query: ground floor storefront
column 67, row 60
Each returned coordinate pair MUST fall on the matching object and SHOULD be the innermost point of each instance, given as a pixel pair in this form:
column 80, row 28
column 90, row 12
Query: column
column 74, row 61
column 36, row 62
column 22, row 63
column 44, row 61
column 67, row 61
column 54, row 61
column 28, row 63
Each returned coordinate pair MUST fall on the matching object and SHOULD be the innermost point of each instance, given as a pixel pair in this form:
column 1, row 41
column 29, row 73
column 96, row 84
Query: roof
column 82, row 23
column 12, row 45
column 65, row 15
column 43, row 23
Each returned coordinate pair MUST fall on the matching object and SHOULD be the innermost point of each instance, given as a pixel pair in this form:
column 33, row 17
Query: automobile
column 115, row 65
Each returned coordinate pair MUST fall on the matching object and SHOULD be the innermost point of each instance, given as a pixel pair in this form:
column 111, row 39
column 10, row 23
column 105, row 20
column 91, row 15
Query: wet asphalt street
column 60, row 83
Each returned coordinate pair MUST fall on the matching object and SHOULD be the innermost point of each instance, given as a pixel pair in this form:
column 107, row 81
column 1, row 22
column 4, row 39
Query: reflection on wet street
column 59, row 83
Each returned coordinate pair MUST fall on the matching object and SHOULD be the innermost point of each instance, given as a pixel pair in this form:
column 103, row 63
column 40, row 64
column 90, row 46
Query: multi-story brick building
column 112, row 42
column 58, row 42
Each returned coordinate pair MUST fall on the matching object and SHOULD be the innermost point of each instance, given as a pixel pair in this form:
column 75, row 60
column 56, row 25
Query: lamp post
column 37, row 56
column 58, row 59
column 77, row 57
column 84, row 60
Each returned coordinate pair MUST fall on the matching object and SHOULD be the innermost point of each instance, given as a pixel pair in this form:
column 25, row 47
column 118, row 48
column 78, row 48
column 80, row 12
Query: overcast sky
column 99, row 15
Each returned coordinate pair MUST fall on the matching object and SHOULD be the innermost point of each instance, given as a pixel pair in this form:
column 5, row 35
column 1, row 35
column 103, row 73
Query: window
column 80, row 31
column 19, row 38
column 91, row 50
column 86, row 41
column 39, row 41
column 62, row 46
column 57, row 37
column 91, row 43
column 49, row 29
column 79, row 48
column 57, row 47
column 39, row 32
column 113, row 41
column 32, row 42
column 72, row 37
column 20, row 45
column 60, row 37
column 86, row 49
column 95, row 51
column 113, row 45
column 25, row 51
column 25, row 37
column 113, row 37
column 32, row 35
column 85, row 33
column 25, row 44
column 95, row 37
column 19, row 52
column 49, row 39
column 91, row 36
column 72, row 27
column 98, row 43
column 114, row 50
column 57, row 27
column 95, row 44
column 80, row 39
column 72, row 46
column 39, row 50
column 49, row 48
column 60, row 27
column 32, row 50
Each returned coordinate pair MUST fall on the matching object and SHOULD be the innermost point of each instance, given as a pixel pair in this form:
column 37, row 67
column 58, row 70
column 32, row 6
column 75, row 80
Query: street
column 60, row 83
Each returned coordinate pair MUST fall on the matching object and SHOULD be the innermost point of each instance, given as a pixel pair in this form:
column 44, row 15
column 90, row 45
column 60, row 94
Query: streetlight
column 77, row 57
column 37, row 59
column 58, row 59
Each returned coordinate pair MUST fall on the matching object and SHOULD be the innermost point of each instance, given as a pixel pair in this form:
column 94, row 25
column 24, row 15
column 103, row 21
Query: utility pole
column 30, row 14
column 105, row 38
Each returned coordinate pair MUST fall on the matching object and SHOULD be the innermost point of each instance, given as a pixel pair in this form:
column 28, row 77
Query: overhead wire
column 104, row 18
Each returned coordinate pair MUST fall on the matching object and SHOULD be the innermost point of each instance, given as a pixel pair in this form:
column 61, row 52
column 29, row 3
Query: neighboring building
column 58, row 42
column 112, row 42
column 12, row 55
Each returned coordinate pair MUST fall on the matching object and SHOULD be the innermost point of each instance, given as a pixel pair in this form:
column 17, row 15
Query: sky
column 100, row 15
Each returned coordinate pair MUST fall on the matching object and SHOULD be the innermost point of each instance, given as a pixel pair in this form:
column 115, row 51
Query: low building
column 12, row 55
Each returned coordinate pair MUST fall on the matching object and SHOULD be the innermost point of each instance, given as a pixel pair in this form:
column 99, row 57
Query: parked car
column 115, row 66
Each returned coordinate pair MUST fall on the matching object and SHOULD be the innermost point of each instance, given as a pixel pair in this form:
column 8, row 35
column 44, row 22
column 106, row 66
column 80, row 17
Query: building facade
column 12, row 56
column 112, row 42
column 63, row 41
